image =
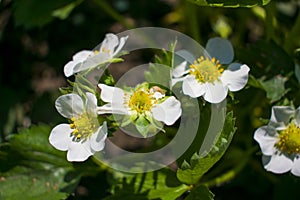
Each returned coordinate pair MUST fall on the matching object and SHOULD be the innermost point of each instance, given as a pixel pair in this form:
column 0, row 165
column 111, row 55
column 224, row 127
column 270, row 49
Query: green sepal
column 142, row 125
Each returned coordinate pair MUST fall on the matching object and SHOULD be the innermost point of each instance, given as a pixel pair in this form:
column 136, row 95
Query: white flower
column 280, row 141
column 206, row 77
column 83, row 137
column 87, row 59
column 143, row 105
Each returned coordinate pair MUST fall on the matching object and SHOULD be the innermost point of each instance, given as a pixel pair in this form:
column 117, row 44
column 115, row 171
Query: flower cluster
column 143, row 105
column 146, row 106
column 280, row 141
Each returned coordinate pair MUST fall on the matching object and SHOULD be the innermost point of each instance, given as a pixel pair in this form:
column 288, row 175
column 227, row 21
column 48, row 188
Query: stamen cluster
column 289, row 140
column 83, row 127
column 206, row 70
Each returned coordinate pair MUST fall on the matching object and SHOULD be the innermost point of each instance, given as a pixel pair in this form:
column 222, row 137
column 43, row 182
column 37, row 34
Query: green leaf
column 127, row 191
column 275, row 87
column 161, row 184
column 159, row 75
column 201, row 192
column 32, row 169
column 230, row 3
column 160, row 71
column 25, row 183
column 199, row 165
column 267, row 58
column 35, row 13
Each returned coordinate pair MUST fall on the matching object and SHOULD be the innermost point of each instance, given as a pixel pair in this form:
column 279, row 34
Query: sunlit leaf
column 32, row 169
column 230, row 3
column 198, row 166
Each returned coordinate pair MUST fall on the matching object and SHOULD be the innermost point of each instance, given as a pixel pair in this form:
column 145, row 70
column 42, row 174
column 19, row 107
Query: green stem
column 270, row 32
column 111, row 12
column 192, row 20
column 100, row 164
column 292, row 36
column 229, row 175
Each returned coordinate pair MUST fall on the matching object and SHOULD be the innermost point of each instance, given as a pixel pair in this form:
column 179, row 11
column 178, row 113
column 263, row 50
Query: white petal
column 98, row 138
column 158, row 95
column 176, row 80
column 69, row 68
column 281, row 114
column 265, row 141
column 186, row 55
column 296, row 167
column 122, row 42
column 91, row 103
column 79, row 151
column 60, row 137
column 297, row 116
column 115, row 109
column 92, row 61
column 168, row 111
column 220, row 49
column 110, row 94
column 109, row 43
column 180, row 70
column 69, row 105
column 82, row 55
column 279, row 164
column 192, row 87
column 215, row 92
column 72, row 67
column 235, row 80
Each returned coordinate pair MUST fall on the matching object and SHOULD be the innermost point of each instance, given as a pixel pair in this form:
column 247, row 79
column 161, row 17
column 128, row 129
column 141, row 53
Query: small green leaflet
column 64, row 12
column 191, row 173
column 200, row 192
column 275, row 88
column 230, row 3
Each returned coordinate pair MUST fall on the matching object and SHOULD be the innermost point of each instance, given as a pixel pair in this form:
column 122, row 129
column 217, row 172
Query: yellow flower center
column 84, row 126
column 141, row 101
column 103, row 49
column 206, row 70
column 289, row 140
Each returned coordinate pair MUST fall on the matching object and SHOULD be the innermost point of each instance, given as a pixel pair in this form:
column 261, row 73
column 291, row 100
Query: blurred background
column 37, row 38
